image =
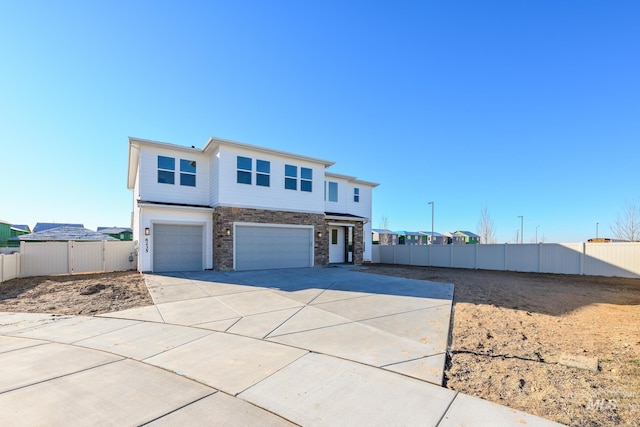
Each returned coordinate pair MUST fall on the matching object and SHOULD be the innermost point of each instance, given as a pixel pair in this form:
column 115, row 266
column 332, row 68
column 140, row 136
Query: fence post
column 582, row 257
column 1, row 268
column 540, row 257
column 506, row 256
column 477, row 249
column 23, row 247
column 70, row 257
column 104, row 256
column 429, row 247
column 451, row 257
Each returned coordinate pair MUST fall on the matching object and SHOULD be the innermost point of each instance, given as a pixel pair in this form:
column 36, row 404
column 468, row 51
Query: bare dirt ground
column 86, row 294
column 512, row 332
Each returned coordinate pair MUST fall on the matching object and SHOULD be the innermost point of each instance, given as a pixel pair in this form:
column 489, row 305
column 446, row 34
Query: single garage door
column 273, row 247
column 177, row 247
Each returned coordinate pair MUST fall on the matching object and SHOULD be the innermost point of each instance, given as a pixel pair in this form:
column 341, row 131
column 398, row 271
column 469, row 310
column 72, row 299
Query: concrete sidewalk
column 322, row 346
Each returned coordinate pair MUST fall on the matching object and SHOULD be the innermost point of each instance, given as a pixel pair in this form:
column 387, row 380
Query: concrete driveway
column 320, row 346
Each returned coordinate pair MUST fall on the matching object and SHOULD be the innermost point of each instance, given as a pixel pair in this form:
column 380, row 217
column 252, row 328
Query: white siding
column 214, row 179
column 275, row 196
column 151, row 190
column 343, row 195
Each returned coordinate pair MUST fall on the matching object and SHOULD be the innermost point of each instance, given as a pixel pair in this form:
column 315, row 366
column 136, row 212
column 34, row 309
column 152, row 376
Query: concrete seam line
column 181, row 407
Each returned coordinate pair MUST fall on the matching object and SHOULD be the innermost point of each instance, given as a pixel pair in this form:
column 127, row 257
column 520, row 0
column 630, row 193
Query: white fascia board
column 176, row 207
column 213, row 143
column 351, row 179
column 132, row 169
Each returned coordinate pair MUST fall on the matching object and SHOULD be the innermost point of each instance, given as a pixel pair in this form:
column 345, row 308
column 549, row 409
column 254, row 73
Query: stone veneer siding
column 224, row 217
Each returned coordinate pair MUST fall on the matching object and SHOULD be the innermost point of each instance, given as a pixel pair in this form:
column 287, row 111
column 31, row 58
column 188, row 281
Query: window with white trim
column 306, row 179
column 263, row 173
column 332, row 190
column 166, row 170
column 290, row 177
column 244, row 170
column 188, row 172
column 356, row 195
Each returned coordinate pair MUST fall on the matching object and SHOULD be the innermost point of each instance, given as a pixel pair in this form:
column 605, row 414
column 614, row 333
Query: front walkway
column 321, row 346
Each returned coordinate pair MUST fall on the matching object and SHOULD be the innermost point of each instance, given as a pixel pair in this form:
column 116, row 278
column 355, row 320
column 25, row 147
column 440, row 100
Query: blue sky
column 526, row 107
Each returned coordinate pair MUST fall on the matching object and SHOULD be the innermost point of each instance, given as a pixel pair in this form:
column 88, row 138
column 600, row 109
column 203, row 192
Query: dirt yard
column 513, row 334
column 85, row 294
column 516, row 336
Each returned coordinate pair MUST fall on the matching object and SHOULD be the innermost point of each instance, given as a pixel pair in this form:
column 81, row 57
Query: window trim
column 166, row 171
column 242, row 171
column 356, row 195
column 304, row 181
column 262, row 174
column 290, row 177
column 185, row 173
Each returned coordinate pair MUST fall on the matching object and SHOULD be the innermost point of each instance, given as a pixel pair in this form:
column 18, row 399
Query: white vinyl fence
column 592, row 259
column 47, row 258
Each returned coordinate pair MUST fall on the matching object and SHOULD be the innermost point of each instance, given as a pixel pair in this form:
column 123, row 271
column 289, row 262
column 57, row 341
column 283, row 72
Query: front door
column 336, row 245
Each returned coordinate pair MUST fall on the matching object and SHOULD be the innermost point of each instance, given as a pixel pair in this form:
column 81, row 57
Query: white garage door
column 273, row 247
column 177, row 247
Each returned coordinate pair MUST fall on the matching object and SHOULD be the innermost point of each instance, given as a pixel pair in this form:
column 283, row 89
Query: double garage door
column 263, row 247
column 177, row 247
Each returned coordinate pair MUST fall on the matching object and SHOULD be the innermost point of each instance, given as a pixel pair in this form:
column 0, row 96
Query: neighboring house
column 410, row 238
column 18, row 230
column 453, row 239
column 234, row 206
column 120, row 233
column 5, row 233
column 438, row 238
column 380, row 236
column 469, row 237
column 64, row 233
column 42, row 226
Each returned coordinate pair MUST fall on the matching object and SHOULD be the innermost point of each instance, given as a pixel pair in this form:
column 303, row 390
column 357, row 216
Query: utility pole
column 432, row 209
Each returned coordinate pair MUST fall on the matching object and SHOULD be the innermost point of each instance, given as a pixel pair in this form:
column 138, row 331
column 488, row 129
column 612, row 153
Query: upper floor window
column 244, row 170
column 356, row 195
column 290, row 177
column 263, row 169
column 306, row 179
column 188, row 172
column 332, row 189
column 166, row 170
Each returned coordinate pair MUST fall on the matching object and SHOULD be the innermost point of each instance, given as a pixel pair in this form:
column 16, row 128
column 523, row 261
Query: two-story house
column 234, row 206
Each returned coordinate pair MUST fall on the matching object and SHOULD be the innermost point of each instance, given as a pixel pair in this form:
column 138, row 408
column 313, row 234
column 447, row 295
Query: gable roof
column 114, row 230
column 21, row 227
column 466, row 233
column 64, row 233
column 428, row 233
column 43, row 226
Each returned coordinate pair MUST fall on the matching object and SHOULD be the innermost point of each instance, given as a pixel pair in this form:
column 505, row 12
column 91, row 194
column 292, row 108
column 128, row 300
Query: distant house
column 42, row 226
column 453, row 239
column 64, row 233
column 18, row 230
column 410, row 238
column 383, row 236
column 469, row 237
column 438, row 238
column 5, row 232
column 120, row 233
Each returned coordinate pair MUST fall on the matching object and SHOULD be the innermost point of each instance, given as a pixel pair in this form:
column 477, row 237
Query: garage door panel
column 272, row 247
column 177, row 247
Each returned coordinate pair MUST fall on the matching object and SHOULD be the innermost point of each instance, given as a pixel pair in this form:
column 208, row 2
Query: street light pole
column 597, row 223
column 521, row 228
